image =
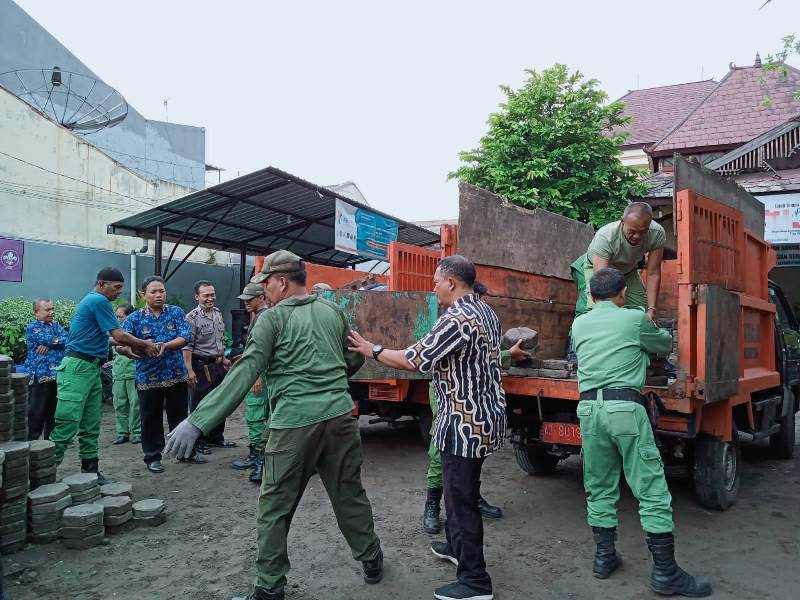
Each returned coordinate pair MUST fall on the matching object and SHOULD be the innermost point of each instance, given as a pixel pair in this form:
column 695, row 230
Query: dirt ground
column 542, row 549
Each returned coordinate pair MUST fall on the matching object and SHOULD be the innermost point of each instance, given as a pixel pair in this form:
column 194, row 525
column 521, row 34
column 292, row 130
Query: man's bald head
column 636, row 222
column 640, row 210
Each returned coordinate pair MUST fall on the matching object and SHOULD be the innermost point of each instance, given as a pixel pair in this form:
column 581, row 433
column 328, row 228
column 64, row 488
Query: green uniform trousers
column 616, row 434
column 333, row 448
column 79, row 407
column 255, row 415
column 435, row 464
column 636, row 294
column 126, row 407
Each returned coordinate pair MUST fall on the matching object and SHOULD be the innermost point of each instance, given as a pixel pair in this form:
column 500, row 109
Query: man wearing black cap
column 80, row 391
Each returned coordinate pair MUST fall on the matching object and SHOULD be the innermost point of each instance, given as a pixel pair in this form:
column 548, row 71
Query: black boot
column 90, row 465
column 260, row 593
column 431, row 522
column 667, row 577
column 487, row 510
column 606, row 558
column 248, row 462
column 258, row 469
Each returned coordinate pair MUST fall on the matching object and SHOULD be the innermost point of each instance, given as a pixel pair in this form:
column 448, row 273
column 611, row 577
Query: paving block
column 529, row 337
column 12, row 547
column 16, row 491
column 40, row 472
column 52, row 507
column 15, row 473
column 159, row 519
column 36, row 482
column 85, row 494
column 45, row 537
column 90, row 500
column 14, row 450
column 77, row 533
column 125, row 527
column 85, row 543
column 117, row 489
column 16, row 536
column 657, row 381
column 523, row 372
column 554, row 373
column 117, row 520
column 556, row 364
column 42, row 523
column 81, row 482
column 11, row 528
column 116, row 505
column 42, row 449
column 48, row 493
column 149, row 507
column 83, row 514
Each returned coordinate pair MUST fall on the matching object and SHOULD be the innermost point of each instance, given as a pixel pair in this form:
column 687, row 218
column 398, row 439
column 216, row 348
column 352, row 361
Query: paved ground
column 541, row 550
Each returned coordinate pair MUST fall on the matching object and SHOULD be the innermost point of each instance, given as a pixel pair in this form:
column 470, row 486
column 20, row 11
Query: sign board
column 11, row 254
column 782, row 218
column 788, row 255
column 363, row 232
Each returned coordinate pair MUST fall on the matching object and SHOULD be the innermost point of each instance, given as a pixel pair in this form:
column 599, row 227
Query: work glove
column 181, row 440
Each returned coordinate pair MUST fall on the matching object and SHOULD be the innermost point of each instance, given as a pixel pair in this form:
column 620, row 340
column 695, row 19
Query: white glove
column 181, row 440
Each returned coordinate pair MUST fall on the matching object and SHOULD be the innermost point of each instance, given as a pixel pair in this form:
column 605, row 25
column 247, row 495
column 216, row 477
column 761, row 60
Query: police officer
column 300, row 347
column 612, row 345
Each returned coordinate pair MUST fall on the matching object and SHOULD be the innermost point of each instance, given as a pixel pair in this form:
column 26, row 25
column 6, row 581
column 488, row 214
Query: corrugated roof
column 261, row 212
column 765, row 182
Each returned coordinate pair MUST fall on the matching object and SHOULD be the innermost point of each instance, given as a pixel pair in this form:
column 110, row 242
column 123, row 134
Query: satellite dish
column 78, row 102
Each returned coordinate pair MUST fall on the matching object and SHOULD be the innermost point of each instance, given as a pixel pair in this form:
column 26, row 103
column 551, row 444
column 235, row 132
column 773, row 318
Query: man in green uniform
column 612, row 344
column 300, row 345
column 125, row 396
column 622, row 245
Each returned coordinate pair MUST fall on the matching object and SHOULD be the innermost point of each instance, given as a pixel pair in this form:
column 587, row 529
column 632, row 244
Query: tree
column 552, row 145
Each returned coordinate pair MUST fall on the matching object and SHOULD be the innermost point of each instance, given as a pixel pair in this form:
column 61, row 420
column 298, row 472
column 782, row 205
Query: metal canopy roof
column 257, row 214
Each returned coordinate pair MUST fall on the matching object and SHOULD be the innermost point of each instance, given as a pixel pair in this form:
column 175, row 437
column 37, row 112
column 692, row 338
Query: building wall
column 636, row 158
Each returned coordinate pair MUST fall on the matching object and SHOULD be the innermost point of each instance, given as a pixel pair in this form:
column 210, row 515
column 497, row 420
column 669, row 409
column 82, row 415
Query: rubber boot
column 667, row 577
column 431, row 521
column 606, row 557
column 90, row 465
column 258, row 469
column 248, row 462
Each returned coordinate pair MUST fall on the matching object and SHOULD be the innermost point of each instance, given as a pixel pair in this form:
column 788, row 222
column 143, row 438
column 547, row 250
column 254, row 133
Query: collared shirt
column 169, row 368
column 259, row 312
column 300, row 346
column 463, row 351
column 92, row 322
column 42, row 367
column 612, row 345
column 609, row 242
column 208, row 332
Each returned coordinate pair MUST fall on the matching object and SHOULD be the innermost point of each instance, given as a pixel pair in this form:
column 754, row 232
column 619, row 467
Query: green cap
column 281, row 261
column 250, row 291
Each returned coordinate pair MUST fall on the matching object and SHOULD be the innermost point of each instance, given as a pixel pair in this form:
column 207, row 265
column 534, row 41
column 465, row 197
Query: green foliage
column 15, row 313
column 776, row 63
column 549, row 147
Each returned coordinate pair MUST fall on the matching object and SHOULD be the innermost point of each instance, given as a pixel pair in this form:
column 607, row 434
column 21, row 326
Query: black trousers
column 209, row 375
column 464, row 525
column 42, row 409
column 152, row 403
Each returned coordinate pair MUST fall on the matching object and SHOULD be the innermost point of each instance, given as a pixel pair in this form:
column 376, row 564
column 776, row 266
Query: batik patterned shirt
column 42, row 367
column 463, row 352
column 169, row 368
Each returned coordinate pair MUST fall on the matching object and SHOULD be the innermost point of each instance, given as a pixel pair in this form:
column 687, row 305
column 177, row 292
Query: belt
column 82, row 356
column 614, row 394
column 206, row 359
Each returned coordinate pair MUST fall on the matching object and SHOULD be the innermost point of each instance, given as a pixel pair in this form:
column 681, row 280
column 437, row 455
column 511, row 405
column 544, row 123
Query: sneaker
column 155, row 467
column 373, row 569
column 121, row 439
column 136, row 439
column 443, row 551
column 459, row 591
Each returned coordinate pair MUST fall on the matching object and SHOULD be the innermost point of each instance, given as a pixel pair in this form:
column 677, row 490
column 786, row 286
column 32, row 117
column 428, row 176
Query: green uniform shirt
column 300, row 345
column 612, row 344
column 122, row 367
column 610, row 243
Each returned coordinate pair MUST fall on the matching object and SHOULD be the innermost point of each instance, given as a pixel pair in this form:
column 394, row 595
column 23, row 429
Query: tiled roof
column 733, row 113
column 763, row 182
column 654, row 111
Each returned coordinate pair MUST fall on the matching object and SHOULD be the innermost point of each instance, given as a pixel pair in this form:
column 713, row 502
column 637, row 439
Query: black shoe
column 121, row 439
column 136, row 439
column 459, row 591
column 248, row 462
column 606, row 557
column 91, row 465
column 194, row 459
column 667, row 577
column 260, row 593
column 202, row 448
column 373, row 569
column 258, row 470
column 222, row 443
column 488, row 511
column 443, row 550
column 155, row 467
column 431, row 518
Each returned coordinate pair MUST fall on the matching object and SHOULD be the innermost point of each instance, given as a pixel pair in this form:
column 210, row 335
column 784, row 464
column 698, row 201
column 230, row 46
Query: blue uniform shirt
column 42, row 367
column 90, row 325
column 169, row 368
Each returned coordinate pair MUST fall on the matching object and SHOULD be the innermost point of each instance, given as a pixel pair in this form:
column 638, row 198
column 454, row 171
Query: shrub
column 15, row 313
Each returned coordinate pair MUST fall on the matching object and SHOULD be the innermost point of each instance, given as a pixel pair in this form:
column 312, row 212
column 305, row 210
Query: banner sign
column 788, row 255
column 360, row 231
column 782, row 218
column 11, row 253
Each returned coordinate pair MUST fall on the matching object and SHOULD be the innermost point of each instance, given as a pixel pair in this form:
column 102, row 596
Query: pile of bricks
column 549, row 368
column 149, row 512
column 46, row 505
column 83, row 526
column 13, row 500
column 6, row 400
column 84, row 488
column 43, row 463
column 117, row 513
column 19, row 385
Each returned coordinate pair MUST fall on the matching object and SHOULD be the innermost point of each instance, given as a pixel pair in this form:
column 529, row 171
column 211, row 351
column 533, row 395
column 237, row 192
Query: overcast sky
column 386, row 94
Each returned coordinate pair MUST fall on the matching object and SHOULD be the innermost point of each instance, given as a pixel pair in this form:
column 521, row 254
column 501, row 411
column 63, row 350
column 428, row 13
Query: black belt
column 206, row 359
column 614, row 394
column 82, row 356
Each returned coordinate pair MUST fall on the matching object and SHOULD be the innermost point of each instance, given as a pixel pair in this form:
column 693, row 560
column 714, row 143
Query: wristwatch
column 376, row 350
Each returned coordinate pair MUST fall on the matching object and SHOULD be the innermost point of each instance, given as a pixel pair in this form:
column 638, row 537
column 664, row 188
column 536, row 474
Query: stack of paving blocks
column 43, row 465
column 117, row 513
column 84, row 488
column 82, row 526
column 13, row 496
column 19, row 385
column 658, row 373
column 550, row 368
column 46, row 505
column 149, row 512
column 6, row 400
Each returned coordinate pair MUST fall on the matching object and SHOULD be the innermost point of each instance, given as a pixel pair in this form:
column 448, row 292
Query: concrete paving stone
column 41, row 449
column 529, row 337
column 159, row 519
column 77, row 533
column 6, row 437
column 10, row 493
column 45, row 522
column 12, row 547
column 48, row 493
column 553, row 373
column 16, row 463
column 117, row 489
column 12, row 518
column 84, row 495
column 42, row 471
column 125, row 527
column 85, row 543
column 149, row 507
column 83, row 514
column 16, row 536
column 555, row 364
column 42, row 460
column 15, row 473
column 81, row 481
column 13, row 528
column 14, row 450
column 36, row 482
column 52, row 507
column 92, row 500
column 45, row 537
column 116, row 505
column 117, row 520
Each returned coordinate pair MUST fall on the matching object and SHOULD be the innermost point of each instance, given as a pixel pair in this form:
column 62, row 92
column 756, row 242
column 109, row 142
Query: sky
column 387, row 94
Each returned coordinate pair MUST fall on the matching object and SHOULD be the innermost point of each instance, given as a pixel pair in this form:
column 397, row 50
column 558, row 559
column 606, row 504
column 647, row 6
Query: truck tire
column 717, row 471
column 781, row 444
column 534, row 460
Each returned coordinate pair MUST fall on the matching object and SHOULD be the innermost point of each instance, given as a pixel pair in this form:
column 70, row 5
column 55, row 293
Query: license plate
column 561, row 433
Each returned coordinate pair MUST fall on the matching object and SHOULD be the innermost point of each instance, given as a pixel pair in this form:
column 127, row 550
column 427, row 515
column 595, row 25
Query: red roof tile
column 654, row 111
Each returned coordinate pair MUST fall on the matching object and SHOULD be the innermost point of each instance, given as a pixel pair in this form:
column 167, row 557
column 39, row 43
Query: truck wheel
column 717, row 471
column 424, row 422
column 781, row 444
column 534, row 460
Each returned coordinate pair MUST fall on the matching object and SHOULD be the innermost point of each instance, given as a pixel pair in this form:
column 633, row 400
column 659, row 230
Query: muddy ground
column 541, row 550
